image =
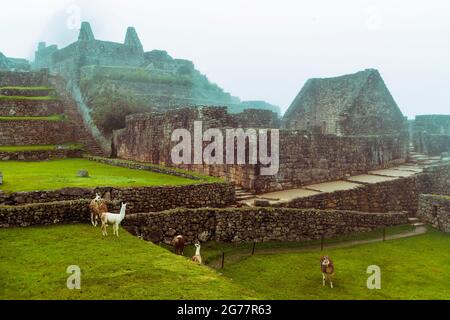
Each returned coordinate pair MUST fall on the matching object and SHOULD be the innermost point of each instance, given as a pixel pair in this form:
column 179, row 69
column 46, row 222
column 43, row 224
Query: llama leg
column 117, row 230
column 92, row 218
column 331, row 284
column 323, row 279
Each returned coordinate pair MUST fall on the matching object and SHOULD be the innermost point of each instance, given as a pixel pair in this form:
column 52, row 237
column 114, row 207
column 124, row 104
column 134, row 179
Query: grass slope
column 212, row 251
column 70, row 146
column 40, row 98
column 57, row 117
column 33, row 263
column 57, row 174
column 29, row 88
column 411, row 268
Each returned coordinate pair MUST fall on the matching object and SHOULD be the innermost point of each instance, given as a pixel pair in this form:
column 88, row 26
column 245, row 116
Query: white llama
column 197, row 258
column 114, row 219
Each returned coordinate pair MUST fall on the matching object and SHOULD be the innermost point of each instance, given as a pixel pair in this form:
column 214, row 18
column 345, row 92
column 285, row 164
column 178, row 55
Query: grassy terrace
column 33, row 263
column 57, row 174
column 411, row 268
column 37, row 88
column 39, row 98
column 57, row 117
column 69, row 146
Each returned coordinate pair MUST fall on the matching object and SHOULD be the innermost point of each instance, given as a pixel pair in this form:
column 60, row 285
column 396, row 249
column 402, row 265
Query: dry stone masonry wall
column 401, row 194
column 139, row 199
column 255, row 224
column 435, row 210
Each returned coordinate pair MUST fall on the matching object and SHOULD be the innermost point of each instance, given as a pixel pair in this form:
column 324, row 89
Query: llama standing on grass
column 114, row 219
column 97, row 207
column 197, row 258
column 178, row 243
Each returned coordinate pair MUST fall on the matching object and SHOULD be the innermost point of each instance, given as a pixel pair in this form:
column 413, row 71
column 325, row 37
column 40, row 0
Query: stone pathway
column 415, row 165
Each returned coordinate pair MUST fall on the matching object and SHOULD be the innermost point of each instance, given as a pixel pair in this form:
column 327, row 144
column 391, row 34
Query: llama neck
column 122, row 213
column 197, row 251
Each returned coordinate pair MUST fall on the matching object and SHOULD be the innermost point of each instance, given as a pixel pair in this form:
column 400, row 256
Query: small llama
column 114, row 219
column 197, row 258
column 97, row 207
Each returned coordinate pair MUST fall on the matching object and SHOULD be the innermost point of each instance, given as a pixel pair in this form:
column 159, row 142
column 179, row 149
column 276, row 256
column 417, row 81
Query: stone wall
column 144, row 166
column 431, row 134
column 304, row 158
column 255, row 224
column 352, row 104
column 28, row 132
column 40, row 155
column 24, row 79
column 30, row 108
column 45, row 213
column 401, row 194
column 431, row 144
column 139, row 199
column 438, row 179
column 435, row 210
column 7, row 91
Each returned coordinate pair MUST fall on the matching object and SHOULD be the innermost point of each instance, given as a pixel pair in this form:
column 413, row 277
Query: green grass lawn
column 57, row 174
column 35, row 88
column 70, row 146
column 212, row 251
column 2, row 97
column 57, row 117
column 33, row 263
column 411, row 268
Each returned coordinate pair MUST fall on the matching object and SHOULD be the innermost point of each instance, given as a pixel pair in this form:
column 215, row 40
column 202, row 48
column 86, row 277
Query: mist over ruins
column 94, row 121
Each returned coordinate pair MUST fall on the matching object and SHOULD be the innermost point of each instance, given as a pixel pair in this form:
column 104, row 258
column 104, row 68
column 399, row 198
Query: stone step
column 239, row 198
column 418, row 224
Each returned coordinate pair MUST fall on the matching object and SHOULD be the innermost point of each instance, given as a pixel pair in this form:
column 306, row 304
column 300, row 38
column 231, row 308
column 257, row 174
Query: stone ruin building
column 154, row 75
column 354, row 104
column 340, row 128
column 334, row 128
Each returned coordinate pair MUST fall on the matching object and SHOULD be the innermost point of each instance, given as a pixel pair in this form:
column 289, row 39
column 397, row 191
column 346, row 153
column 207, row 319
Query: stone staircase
column 85, row 137
column 71, row 110
column 242, row 194
column 41, row 112
column 416, row 222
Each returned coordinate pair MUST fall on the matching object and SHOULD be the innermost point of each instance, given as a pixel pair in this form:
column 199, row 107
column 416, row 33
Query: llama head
column 124, row 205
column 325, row 261
column 197, row 245
column 97, row 197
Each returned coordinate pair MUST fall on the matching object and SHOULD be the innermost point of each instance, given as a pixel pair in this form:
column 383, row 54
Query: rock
column 83, row 173
column 204, row 236
column 261, row 203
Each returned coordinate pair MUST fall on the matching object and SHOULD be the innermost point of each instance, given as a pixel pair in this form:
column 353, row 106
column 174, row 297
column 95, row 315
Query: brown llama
column 178, row 243
column 97, row 207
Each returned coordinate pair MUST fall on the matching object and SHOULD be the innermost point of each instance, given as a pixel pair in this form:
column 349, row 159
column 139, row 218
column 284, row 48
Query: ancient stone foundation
column 40, row 155
column 304, row 158
column 435, row 210
column 139, row 199
column 36, row 132
column 255, row 224
column 401, row 194
column 29, row 108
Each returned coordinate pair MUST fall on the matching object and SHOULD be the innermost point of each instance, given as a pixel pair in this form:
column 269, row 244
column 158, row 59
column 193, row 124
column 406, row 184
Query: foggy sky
column 263, row 50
